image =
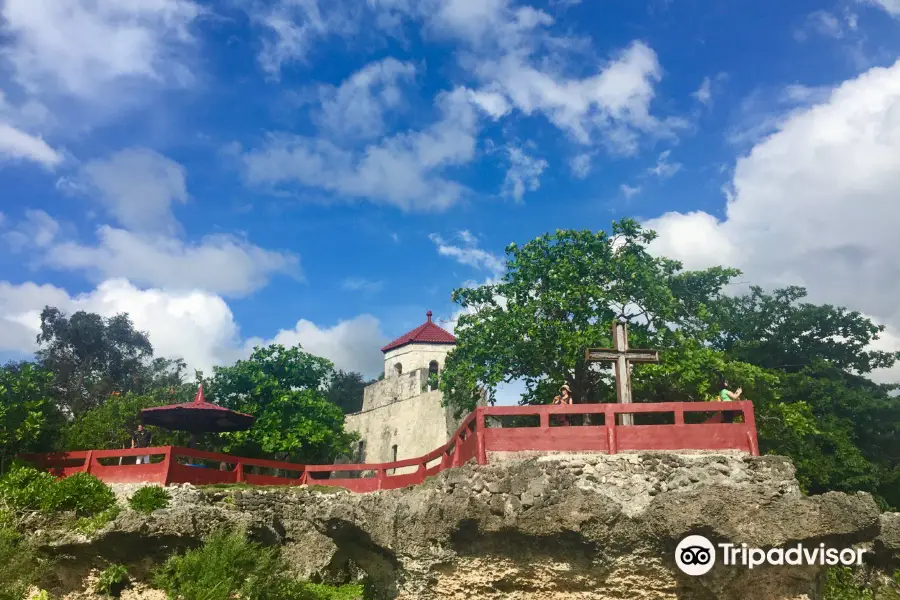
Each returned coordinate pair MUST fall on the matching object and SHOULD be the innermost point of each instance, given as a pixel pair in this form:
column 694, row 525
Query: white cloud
column 221, row 264
column 813, row 204
column 523, row 174
column 80, row 46
column 493, row 103
column 18, row 145
column 356, row 108
column 137, row 186
column 704, row 92
column 663, row 168
column 404, row 170
column 362, row 284
column 352, row 345
column 891, row 6
column 580, row 164
column 38, row 229
column 629, row 191
column 469, row 253
column 197, row 326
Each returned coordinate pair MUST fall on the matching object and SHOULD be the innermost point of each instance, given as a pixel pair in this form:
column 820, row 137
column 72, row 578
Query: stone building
column 401, row 415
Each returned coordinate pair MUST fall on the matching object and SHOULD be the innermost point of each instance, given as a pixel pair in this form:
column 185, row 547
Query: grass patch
column 149, row 498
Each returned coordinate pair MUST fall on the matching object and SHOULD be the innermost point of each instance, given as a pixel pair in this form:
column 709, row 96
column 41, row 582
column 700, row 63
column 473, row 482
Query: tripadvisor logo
column 696, row 555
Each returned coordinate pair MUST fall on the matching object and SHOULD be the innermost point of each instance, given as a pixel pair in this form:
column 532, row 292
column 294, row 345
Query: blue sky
column 323, row 173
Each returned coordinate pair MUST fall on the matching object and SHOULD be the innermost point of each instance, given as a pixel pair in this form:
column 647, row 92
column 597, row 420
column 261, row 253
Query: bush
column 25, row 488
column 228, row 565
column 41, row 595
column 81, row 492
column 112, row 580
column 150, row 498
column 840, row 584
column 91, row 525
column 18, row 566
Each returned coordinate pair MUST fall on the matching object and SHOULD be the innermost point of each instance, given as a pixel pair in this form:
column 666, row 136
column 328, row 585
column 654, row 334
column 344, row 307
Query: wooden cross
column 623, row 357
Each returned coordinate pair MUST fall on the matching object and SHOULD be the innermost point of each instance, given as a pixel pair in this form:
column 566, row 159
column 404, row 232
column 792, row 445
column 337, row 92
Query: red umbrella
column 198, row 416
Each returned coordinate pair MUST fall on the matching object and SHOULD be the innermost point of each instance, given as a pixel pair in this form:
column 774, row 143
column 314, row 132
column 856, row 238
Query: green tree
column 28, row 416
column 92, row 356
column 110, row 425
column 560, row 294
column 346, row 390
column 285, row 389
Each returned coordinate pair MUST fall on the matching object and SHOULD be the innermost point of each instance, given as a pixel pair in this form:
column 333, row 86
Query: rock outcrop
column 549, row 527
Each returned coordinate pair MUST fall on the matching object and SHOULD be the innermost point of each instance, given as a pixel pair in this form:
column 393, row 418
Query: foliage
column 228, row 565
column 91, row 525
column 346, row 390
column 560, row 294
column 91, row 357
column 284, row 389
column 41, row 595
column 28, row 415
column 19, row 565
column 110, row 425
column 112, row 580
column 840, row 584
column 25, row 488
column 79, row 492
column 149, row 498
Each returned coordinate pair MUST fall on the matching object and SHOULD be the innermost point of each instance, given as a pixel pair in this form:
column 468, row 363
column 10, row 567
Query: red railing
column 476, row 437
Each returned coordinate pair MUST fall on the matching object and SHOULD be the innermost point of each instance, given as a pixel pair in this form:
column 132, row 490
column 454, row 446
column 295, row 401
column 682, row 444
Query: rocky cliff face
column 550, row 527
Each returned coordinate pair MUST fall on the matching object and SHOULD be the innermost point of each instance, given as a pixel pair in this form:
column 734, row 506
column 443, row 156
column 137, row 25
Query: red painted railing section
column 475, row 438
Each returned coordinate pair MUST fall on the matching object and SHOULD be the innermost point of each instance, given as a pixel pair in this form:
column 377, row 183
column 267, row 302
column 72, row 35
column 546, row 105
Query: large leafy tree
column 560, row 294
column 92, row 357
column 346, row 390
column 28, row 415
column 285, row 389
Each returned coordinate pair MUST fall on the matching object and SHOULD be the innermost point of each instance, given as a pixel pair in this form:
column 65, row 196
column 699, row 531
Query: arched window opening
column 433, row 367
column 398, row 369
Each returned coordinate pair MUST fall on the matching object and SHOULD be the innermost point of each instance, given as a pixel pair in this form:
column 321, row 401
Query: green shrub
column 228, row 565
column 112, row 580
column 150, row 498
column 80, row 492
column 840, row 584
column 91, row 525
column 41, row 595
column 25, row 488
column 19, row 566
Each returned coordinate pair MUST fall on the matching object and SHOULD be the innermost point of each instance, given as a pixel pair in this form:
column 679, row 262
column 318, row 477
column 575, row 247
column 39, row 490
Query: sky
column 323, row 172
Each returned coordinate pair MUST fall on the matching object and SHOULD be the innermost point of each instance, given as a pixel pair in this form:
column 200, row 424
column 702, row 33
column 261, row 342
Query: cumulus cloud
column 37, row 229
column 813, row 204
column 137, row 187
column 404, row 170
column 523, row 175
column 352, row 345
column 15, row 144
column 195, row 325
column 79, row 47
column 663, row 168
column 629, row 191
column 222, row 264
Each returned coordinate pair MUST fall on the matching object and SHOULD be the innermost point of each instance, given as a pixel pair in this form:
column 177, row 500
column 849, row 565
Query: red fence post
column 610, row 418
column 87, row 461
column 479, row 436
column 679, row 415
column 750, row 424
column 167, row 467
column 239, row 472
column 379, row 478
column 545, row 419
column 456, row 451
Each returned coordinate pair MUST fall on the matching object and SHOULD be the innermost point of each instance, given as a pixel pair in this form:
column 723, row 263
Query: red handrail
column 472, row 440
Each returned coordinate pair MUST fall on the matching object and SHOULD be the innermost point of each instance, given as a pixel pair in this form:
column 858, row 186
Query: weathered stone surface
column 551, row 527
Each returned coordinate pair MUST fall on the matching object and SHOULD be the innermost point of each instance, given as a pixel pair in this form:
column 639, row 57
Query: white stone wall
column 394, row 389
column 415, row 356
column 416, row 426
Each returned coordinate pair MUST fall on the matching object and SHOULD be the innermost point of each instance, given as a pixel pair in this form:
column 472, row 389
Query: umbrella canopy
column 198, row 416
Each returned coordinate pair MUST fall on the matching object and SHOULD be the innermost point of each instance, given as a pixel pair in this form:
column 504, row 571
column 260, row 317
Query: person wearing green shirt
column 726, row 395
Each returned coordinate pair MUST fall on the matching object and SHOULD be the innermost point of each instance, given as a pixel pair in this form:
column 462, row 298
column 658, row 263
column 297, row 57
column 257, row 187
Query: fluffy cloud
column 137, row 186
column 814, row 203
column 197, row 326
column 891, row 6
column 663, row 168
column 351, row 345
column 404, row 170
column 79, row 47
column 356, row 108
column 523, row 175
column 18, row 145
column 468, row 253
column 222, row 264
column 37, row 230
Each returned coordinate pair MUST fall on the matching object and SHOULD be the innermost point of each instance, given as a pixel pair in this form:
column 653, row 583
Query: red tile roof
column 427, row 333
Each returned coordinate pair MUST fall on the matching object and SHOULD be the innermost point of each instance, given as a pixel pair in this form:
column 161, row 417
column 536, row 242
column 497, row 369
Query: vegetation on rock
column 25, row 488
column 149, row 498
column 112, row 580
column 228, row 565
column 19, row 565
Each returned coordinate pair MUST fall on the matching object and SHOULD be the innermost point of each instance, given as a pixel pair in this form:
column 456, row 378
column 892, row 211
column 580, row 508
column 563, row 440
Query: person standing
column 726, row 395
column 141, row 439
